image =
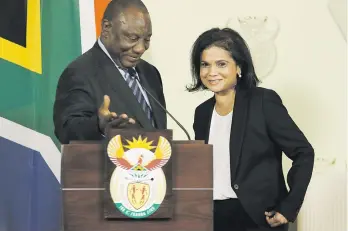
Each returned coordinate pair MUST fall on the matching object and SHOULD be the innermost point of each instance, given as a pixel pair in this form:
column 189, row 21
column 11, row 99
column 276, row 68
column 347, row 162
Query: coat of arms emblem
column 138, row 184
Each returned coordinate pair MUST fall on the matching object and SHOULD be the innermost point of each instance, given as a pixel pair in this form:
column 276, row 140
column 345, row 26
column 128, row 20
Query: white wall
column 310, row 74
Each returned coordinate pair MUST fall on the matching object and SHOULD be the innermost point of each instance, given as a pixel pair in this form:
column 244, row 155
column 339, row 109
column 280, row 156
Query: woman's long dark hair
column 230, row 41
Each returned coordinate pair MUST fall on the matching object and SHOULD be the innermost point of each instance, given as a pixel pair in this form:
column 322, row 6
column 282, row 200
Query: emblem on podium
column 138, row 184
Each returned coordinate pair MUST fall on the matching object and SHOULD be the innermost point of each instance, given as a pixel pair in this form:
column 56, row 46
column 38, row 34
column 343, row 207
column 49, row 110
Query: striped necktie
column 131, row 79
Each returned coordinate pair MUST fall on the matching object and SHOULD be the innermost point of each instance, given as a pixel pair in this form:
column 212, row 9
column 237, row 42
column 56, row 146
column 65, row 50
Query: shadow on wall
column 338, row 11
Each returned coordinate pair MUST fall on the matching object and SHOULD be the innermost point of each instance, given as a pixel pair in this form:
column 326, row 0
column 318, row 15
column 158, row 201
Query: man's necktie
column 131, row 79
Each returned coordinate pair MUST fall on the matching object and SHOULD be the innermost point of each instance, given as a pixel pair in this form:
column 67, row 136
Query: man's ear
column 106, row 27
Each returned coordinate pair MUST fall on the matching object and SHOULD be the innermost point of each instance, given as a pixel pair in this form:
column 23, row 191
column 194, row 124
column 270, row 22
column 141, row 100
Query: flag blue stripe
column 30, row 195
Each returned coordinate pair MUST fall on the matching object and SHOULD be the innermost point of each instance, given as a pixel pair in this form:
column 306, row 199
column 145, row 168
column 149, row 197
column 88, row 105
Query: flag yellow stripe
column 30, row 56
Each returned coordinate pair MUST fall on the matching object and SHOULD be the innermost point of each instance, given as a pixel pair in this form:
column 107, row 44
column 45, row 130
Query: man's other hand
column 107, row 118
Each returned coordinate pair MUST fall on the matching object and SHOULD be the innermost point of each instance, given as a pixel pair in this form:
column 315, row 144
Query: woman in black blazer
column 249, row 128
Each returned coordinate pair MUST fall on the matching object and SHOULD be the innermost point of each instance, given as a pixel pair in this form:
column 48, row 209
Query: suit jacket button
column 236, row 186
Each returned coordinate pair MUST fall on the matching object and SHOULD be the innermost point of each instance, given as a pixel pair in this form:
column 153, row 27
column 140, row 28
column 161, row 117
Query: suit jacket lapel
column 240, row 116
column 157, row 111
column 122, row 91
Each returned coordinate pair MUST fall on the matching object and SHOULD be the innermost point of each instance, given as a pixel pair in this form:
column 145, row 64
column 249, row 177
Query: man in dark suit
column 110, row 85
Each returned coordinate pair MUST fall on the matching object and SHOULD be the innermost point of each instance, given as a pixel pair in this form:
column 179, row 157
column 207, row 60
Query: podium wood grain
column 83, row 190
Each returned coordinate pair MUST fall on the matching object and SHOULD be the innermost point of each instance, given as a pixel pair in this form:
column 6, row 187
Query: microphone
column 133, row 74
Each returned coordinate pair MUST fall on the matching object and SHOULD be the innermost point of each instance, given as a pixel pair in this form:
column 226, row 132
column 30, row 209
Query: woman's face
column 218, row 71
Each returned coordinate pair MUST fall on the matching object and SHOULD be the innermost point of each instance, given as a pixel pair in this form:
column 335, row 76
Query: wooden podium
column 187, row 205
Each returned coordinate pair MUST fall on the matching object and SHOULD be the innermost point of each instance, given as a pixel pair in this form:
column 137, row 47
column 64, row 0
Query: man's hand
column 275, row 219
column 107, row 118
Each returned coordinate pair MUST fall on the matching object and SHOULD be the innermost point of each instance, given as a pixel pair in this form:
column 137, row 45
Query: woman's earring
column 239, row 75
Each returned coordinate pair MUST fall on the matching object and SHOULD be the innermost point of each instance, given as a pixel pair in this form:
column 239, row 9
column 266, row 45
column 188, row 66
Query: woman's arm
column 285, row 133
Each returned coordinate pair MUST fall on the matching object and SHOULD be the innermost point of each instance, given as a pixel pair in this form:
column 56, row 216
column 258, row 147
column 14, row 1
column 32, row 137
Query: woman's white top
column 219, row 137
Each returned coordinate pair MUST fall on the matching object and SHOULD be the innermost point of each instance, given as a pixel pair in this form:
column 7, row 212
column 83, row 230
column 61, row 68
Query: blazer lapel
column 208, row 116
column 122, row 92
column 239, row 120
column 156, row 110
column 240, row 115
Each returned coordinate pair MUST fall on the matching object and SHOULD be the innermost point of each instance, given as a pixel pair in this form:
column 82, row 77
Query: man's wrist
column 101, row 131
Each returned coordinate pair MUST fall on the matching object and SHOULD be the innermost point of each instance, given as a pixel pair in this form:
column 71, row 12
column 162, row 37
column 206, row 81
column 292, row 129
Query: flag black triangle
column 13, row 21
